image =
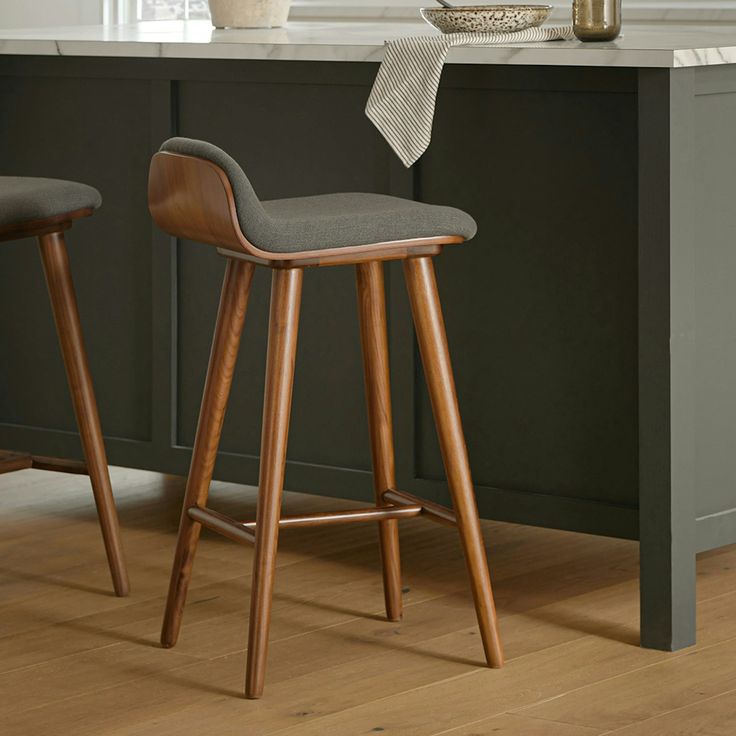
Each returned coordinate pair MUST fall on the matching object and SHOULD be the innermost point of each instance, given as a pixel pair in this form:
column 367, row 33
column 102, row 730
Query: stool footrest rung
column 405, row 505
column 60, row 465
column 11, row 461
column 345, row 517
column 221, row 524
column 244, row 531
column 430, row 509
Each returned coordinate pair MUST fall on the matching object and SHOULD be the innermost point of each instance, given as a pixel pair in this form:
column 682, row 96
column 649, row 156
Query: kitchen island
column 591, row 319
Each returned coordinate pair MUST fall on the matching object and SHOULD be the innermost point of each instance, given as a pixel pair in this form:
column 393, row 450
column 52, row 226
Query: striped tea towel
column 401, row 103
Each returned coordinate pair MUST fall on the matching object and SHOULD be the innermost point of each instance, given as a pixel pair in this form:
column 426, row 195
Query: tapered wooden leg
column 64, row 304
column 223, row 356
column 286, row 291
column 372, row 313
column 430, row 329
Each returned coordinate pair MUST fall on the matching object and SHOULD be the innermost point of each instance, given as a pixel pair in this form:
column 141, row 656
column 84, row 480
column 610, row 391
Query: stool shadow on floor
column 56, row 581
column 622, row 633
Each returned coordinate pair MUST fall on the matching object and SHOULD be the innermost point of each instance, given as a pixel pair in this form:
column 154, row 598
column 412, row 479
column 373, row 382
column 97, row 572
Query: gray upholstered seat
column 328, row 220
column 23, row 199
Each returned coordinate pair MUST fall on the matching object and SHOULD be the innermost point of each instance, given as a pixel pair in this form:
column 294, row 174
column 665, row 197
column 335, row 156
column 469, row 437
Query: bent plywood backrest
column 192, row 198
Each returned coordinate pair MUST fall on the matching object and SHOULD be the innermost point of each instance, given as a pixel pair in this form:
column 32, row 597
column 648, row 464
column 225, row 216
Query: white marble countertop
column 641, row 45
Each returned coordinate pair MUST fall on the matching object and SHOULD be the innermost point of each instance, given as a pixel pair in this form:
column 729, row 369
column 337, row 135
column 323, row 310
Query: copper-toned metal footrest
column 404, row 505
column 434, row 511
column 244, row 531
column 346, row 517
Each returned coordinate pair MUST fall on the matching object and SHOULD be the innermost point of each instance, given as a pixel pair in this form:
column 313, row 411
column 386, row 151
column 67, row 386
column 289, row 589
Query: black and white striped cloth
column 401, row 103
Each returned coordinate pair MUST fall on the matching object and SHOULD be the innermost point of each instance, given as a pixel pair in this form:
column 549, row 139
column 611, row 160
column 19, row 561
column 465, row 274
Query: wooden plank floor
column 76, row 660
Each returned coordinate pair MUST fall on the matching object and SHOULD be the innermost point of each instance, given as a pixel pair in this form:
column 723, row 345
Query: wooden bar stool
column 196, row 191
column 45, row 208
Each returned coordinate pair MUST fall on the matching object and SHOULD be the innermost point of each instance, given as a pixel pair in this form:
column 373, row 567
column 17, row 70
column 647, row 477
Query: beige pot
column 249, row 13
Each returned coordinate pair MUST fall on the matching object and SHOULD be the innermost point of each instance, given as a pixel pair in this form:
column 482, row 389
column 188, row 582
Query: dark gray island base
column 591, row 320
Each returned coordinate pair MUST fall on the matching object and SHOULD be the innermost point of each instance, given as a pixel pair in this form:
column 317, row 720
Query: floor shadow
column 593, row 627
column 202, row 686
column 322, row 606
column 56, row 582
column 115, row 635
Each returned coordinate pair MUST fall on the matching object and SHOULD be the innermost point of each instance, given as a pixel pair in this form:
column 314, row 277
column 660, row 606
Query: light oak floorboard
column 636, row 696
column 511, row 724
column 711, row 717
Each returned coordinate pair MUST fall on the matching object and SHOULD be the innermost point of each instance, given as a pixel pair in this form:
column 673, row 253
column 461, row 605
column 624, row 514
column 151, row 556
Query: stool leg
column 286, row 292
column 64, row 305
column 223, row 356
column 430, row 329
column 372, row 313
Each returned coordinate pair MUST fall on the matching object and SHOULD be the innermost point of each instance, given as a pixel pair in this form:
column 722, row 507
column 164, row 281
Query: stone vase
column 249, row 13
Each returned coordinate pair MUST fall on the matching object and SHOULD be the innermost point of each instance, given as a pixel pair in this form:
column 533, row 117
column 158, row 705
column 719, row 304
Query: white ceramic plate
column 486, row 18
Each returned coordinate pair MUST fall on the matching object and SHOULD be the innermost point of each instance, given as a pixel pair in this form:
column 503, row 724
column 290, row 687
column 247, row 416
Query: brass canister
column 596, row 20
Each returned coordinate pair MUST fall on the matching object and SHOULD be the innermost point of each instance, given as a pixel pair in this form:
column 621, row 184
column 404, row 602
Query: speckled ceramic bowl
column 486, row 18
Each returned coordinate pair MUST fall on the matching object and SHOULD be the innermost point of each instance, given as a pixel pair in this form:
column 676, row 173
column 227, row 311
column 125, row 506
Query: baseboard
column 715, row 530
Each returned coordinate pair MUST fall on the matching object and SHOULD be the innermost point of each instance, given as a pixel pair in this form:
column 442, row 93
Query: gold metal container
column 596, row 20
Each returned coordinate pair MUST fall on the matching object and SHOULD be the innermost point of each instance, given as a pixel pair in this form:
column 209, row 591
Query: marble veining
column 642, row 45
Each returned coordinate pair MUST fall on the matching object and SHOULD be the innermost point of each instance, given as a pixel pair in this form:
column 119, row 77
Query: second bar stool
column 198, row 192
column 45, row 209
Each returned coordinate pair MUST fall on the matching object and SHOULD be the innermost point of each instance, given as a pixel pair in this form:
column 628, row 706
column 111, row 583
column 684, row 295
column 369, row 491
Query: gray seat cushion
column 23, row 199
column 327, row 220
column 339, row 220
